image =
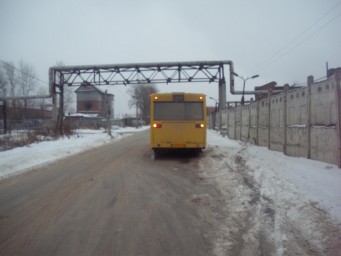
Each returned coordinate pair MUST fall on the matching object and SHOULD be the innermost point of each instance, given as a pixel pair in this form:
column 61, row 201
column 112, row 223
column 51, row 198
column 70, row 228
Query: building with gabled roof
column 92, row 100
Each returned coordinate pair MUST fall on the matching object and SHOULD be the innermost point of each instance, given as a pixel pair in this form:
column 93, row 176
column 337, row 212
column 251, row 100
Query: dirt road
column 113, row 200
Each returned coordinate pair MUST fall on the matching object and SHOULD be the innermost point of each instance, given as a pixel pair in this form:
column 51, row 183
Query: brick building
column 92, row 100
column 268, row 86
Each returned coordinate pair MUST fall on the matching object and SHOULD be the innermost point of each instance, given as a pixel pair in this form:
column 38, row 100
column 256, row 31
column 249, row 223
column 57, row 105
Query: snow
column 295, row 201
column 312, row 180
column 23, row 159
column 292, row 198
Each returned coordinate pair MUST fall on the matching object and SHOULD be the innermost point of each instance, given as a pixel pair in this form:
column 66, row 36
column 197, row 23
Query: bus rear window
column 178, row 111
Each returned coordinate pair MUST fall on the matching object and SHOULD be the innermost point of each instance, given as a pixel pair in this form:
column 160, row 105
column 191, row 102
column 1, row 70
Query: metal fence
column 23, row 132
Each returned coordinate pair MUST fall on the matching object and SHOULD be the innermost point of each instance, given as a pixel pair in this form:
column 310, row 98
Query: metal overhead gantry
column 141, row 73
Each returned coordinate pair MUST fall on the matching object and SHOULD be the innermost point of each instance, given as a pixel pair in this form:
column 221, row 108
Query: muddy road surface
column 112, row 200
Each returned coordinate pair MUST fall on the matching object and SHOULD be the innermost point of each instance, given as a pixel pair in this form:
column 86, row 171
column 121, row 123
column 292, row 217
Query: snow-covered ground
column 25, row 158
column 285, row 205
column 283, row 175
column 292, row 203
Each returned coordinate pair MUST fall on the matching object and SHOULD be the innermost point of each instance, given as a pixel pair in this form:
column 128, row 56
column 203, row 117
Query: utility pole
column 61, row 107
column 215, row 112
column 107, row 107
column 137, row 122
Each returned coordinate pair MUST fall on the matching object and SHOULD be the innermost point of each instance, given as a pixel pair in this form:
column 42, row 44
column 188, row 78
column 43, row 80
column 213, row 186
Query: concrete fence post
column 257, row 122
column 269, row 119
column 310, row 81
column 248, row 132
column 285, row 118
column 214, row 117
column 228, row 121
column 241, row 122
column 336, row 81
column 235, row 121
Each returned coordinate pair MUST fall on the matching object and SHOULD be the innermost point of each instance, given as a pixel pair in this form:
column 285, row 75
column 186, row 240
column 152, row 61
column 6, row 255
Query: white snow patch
column 294, row 201
column 289, row 177
column 25, row 158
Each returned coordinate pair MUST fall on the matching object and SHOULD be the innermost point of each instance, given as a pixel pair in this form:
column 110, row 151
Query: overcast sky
column 282, row 41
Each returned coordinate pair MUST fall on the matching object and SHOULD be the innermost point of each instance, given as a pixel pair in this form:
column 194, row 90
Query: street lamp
column 216, row 103
column 244, row 81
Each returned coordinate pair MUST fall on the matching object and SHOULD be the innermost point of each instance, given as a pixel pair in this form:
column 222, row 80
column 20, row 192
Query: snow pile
column 21, row 159
column 275, row 204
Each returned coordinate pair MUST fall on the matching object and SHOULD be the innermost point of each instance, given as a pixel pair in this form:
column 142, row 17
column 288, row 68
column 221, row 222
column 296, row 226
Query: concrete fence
column 303, row 122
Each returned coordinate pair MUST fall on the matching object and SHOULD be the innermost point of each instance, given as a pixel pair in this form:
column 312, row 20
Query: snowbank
column 273, row 199
column 277, row 173
column 25, row 158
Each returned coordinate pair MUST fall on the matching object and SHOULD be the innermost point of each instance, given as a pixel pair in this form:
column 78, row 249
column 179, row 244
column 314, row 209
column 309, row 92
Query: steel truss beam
column 142, row 73
column 139, row 73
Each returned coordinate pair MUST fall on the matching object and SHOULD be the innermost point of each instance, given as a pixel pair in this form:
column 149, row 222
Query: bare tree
column 26, row 80
column 10, row 76
column 140, row 98
column 3, row 83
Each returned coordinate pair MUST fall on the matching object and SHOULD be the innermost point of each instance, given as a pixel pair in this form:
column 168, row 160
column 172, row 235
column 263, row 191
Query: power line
column 299, row 43
column 23, row 72
column 285, row 49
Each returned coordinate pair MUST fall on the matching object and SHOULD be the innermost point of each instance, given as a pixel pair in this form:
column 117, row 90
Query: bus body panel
column 179, row 135
column 178, row 120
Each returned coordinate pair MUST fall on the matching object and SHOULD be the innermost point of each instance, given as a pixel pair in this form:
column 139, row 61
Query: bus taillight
column 199, row 125
column 157, row 125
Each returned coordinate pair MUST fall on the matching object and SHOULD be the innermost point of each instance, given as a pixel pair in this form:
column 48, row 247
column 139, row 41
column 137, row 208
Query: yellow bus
column 178, row 121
